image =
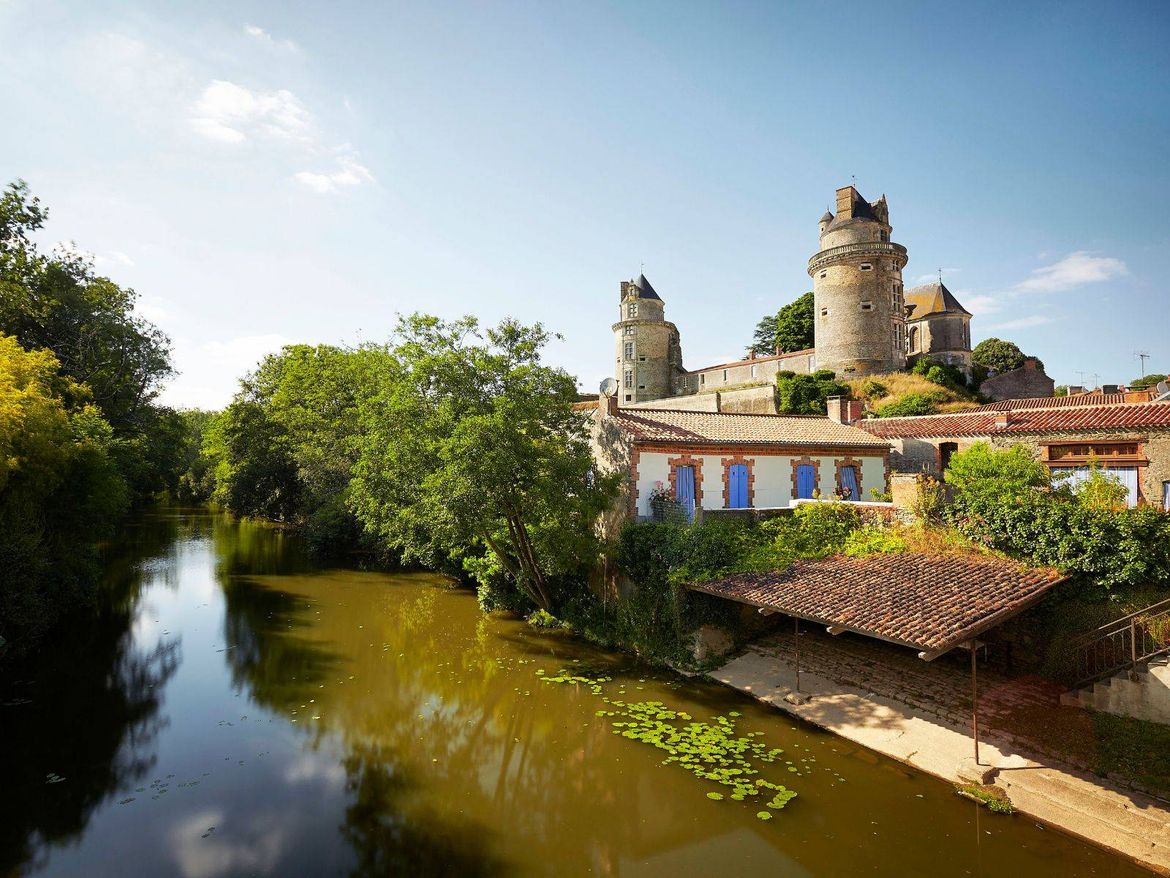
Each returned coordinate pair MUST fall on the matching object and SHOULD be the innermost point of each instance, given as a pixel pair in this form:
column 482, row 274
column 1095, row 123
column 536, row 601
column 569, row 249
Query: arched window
column 913, row 338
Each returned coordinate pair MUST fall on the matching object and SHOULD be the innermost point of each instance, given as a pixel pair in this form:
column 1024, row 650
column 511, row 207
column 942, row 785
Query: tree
column 999, row 356
column 471, row 441
column 984, row 475
column 790, row 329
column 1146, row 381
column 807, row 394
column 59, row 491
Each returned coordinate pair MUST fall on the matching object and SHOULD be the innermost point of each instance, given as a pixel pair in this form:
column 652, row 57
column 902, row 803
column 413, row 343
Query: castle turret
column 649, row 356
column 857, row 287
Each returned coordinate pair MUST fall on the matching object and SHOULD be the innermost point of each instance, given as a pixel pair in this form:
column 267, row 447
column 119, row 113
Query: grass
column 1134, row 749
column 900, row 384
column 991, row 796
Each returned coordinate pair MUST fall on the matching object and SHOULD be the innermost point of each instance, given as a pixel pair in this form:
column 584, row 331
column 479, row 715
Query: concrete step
column 1134, row 824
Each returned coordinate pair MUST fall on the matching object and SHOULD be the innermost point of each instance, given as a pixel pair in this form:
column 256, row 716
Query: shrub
column 871, row 540
column 873, row 390
column 806, row 394
column 911, row 404
column 982, row 474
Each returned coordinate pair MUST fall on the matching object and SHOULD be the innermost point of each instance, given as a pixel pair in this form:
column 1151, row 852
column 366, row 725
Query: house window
column 628, row 397
column 629, row 350
column 824, row 274
column 913, row 338
column 641, row 386
column 702, row 378
column 724, row 376
column 641, row 359
column 865, row 266
column 849, row 483
column 946, row 450
column 629, row 378
column 824, row 312
column 885, row 236
column 1072, row 463
column 754, row 369
column 631, row 310
column 686, row 382
column 867, row 306
column 1166, row 496
column 630, row 330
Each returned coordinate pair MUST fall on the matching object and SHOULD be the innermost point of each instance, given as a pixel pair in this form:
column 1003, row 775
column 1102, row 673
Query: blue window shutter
column 806, row 481
column 849, row 482
column 684, row 489
column 737, row 483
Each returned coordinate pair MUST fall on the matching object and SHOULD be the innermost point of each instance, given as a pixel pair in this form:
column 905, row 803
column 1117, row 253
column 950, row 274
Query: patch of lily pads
column 710, row 750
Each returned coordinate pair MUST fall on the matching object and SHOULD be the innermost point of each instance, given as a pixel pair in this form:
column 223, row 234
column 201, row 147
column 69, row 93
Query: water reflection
column 81, row 721
column 331, row 721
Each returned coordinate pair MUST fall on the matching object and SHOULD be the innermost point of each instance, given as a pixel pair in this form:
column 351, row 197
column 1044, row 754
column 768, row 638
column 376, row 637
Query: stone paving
column 1021, row 712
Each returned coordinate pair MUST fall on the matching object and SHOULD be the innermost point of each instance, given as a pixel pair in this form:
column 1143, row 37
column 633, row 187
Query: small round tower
column 860, row 317
column 649, row 356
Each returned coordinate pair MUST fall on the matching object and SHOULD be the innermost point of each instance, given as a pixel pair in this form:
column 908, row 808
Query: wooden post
column 796, row 620
column 974, row 701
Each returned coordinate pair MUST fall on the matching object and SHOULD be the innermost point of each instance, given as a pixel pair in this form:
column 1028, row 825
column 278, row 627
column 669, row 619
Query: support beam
column 836, row 629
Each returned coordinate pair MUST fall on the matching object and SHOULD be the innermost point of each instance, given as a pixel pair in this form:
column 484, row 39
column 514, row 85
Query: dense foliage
column 1003, row 499
column 83, row 433
column 1147, row 381
column 806, row 394
column 999, row 356
column 789, row 329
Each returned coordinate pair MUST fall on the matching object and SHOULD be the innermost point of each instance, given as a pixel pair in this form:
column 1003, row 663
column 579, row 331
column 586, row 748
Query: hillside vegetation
column 906, row 393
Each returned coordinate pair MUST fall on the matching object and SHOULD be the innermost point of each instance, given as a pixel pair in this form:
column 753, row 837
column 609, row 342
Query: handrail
column 1123, row 642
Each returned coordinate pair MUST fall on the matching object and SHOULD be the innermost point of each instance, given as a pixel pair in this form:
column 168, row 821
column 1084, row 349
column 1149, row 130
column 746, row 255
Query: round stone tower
column 649, row 356
column 860, row 317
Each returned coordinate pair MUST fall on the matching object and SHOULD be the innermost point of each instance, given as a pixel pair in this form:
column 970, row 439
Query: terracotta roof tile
column 1131, row 416
column 659, row 425
column 1053, row 402
column 930, row 603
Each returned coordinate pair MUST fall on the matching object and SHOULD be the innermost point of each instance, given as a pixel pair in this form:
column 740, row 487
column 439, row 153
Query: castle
column 864, row 322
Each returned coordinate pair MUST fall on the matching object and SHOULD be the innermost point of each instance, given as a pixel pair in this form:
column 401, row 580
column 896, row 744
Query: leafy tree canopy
column 806, row 394
column 789, row 329
column 473, row 441
column 999, row 355
column 982, row 474
column 1146, row 381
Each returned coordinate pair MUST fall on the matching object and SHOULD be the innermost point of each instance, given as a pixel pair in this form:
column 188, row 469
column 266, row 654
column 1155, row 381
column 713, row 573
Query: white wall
column 773, row 483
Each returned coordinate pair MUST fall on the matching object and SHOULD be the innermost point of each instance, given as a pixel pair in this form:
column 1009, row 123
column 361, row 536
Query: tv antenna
column 1082, row 373
column 1143, row 356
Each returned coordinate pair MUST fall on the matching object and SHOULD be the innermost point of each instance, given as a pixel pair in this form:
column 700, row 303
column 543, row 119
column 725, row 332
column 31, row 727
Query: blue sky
column 264, row 173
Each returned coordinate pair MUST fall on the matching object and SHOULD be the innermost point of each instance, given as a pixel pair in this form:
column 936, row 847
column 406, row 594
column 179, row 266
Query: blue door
column 806, row 481
column 684, row 490
column 737, row 486
column 849, row 483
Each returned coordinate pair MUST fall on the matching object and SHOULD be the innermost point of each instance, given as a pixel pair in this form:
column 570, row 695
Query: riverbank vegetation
column 81, row 435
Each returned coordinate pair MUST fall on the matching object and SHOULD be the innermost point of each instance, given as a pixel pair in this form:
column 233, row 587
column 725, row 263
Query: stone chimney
column 609, row 406
column 842, row 410
column 1002, row 420
column 847, row 196
column 1030, row 363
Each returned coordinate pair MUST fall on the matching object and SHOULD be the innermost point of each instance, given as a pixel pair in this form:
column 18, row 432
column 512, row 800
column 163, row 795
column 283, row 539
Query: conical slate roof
column 828, row 217
column 645, row 291
column 933, row 298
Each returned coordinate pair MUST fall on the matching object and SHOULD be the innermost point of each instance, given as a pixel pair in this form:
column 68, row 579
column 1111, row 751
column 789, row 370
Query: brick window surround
column 856, row 464
column 727, row 463
column 796, row 463
column 685, row 459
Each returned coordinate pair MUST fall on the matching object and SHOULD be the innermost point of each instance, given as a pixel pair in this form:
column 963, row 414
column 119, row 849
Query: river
column 235, row 710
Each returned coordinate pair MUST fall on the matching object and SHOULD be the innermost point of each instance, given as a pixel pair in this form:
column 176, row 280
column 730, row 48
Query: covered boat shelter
column 929, row 603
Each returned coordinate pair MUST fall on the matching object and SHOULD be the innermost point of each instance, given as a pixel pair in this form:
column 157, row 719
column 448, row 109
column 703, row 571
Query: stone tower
column 649, row 357
column 857, row 287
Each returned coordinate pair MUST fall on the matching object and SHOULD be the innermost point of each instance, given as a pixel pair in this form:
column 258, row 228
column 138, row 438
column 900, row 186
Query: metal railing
column 1124, row 642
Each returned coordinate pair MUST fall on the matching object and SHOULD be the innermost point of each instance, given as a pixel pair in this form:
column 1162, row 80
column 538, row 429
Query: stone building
column 860, row 324
column 938, row 327
column 648, row 353
column 720, row 460
column 1027, row 382
column 857, row 287
column 1128, row 435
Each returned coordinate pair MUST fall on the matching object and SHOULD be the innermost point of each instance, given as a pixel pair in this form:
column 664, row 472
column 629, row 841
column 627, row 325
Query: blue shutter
column 684, row 489
column 849, row 483
column 806, row 481
column 737, row 482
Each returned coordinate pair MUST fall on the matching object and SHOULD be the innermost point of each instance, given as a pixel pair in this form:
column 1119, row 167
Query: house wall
column 921, row 455
column 765, row 368
column 771, row 474
column 1023, row 383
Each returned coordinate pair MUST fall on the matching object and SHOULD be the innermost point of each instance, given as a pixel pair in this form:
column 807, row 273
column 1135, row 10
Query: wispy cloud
column 932, row 278
column 1023, row 322
column 264, row 37
column 349, row 172
column 230, row 113
column 980, row 305
column 1075, row 270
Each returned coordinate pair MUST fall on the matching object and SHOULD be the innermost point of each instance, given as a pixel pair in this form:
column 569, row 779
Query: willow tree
column 471, row 441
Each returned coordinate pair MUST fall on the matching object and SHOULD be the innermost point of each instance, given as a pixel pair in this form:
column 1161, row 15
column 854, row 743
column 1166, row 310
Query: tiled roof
column 1132, row 416
column 1054, row 402
column 930, row 603
column 932, row 298
column 729, row 428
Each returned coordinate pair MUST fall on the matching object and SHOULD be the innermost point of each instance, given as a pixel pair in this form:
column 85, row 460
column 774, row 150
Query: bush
column 912, row 404
column 873, row 541
column 806, row 394
column 872, row 390
column 982, row 474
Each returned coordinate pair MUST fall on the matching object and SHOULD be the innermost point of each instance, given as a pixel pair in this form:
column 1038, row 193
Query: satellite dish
column 609, row 387
column 1163, row 388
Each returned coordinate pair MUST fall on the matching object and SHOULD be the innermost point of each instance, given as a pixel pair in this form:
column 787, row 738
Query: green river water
column 234, row 710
